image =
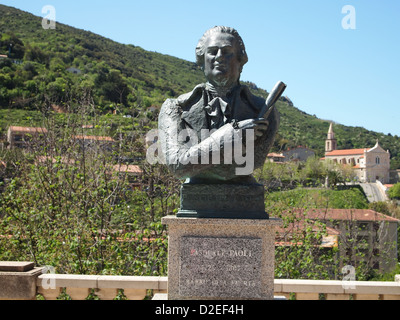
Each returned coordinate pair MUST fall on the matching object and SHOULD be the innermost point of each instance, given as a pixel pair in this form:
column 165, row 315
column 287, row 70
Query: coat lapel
column 193, row 109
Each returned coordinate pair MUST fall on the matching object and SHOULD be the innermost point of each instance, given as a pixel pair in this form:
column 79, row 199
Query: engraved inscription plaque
column 220, row 267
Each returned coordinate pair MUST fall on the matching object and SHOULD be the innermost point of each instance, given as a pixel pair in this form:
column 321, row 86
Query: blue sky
column 350, row 76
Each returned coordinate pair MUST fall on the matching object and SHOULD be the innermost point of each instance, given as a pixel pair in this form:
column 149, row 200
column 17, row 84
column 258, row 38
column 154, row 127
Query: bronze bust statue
column 214, row 134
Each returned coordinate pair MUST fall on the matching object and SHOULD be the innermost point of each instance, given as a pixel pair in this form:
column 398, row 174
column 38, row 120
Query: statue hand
column 260, row 126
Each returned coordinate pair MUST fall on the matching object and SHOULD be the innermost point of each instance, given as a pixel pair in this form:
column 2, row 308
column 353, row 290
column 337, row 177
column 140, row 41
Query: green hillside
column 125, row 78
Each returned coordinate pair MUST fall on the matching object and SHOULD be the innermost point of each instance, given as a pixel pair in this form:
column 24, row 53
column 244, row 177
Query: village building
column 361, row 234
column 20, row 136
column 74, row 70
column 275, row 157
column 133, row 174
column 298, row 154
column 369, row 164
column 93, row 142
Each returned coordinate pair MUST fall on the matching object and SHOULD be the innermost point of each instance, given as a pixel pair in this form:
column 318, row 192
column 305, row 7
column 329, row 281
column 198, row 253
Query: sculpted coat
column 184, row 148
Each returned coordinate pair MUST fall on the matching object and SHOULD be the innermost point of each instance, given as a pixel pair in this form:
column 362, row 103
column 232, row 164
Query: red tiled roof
column 98, row 138
column 284, row 236
column 300, row 226
column 44, row 159
column 27, row 129
column 128, row 168
column 345, row 152
column 276, row 155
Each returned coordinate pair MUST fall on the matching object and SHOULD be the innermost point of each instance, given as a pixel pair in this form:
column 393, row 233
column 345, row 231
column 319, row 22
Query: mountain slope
column 126, row 78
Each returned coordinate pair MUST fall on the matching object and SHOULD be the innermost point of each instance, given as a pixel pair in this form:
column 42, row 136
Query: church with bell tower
column 369, row 164
column 330, row 143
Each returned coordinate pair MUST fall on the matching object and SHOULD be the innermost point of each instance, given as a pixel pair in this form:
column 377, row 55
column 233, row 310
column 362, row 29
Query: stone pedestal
column 225, row 201
column 18, row 280
column 211, row 259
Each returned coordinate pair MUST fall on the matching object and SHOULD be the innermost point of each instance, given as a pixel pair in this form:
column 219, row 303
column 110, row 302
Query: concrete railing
column 337, row 290
column 78, row 287
column 22, row 281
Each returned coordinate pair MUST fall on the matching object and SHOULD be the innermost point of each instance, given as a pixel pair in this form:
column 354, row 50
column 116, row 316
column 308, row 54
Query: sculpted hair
column 201, row 46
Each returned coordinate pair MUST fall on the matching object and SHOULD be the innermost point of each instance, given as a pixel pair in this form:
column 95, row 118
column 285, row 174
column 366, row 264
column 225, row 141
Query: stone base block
column 231, row 201
column 19, row 283
column 212, row 259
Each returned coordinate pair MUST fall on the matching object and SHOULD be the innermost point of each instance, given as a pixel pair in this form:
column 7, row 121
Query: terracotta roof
column 44, row 159
column 276, row 155
column 87, row 126
column 284, row 235
column 329, row 241
column 345, row 152
column 128, row 168
column 98, row 138
column 300, row 226
column 27, row 129
column 347, row 214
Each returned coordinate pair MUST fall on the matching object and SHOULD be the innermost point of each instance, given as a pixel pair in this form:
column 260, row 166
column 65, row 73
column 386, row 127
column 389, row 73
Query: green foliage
column 351, row 198
column 389, row 276
column 311, row 173
column 300, row 254
column 118, row 70
column 11, row 45
column 62, row 197
column 62, row 204
column 129, row 79
column 394, row 192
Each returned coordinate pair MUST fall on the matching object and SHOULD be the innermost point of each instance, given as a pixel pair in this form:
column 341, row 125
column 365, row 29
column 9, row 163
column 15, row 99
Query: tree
column 36, row 54
column 300, row 254
column 394, row 192
column 314, row 170
column 112, row 86
column 13, row 46
column 67, row 197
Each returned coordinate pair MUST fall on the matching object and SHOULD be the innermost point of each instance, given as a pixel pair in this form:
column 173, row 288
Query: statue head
column 221, row 54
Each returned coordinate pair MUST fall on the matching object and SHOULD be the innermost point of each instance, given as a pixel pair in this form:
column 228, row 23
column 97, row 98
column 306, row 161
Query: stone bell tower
column 330, row 143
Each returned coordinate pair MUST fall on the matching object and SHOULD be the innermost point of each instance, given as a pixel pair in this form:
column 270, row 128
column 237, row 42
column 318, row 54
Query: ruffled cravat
column 218, row 109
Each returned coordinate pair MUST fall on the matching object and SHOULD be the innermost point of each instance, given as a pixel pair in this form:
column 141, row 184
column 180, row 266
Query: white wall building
column 370, row 164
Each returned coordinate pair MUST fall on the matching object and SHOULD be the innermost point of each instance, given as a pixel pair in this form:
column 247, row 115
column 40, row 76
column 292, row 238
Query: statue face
column 221, row 63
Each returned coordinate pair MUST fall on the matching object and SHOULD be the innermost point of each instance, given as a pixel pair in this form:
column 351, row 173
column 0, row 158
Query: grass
column 351, row 197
